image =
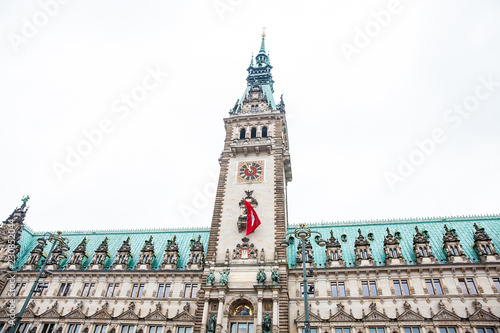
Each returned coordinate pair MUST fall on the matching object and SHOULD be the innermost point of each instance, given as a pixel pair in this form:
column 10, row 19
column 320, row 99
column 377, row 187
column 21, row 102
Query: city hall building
column 428, row 275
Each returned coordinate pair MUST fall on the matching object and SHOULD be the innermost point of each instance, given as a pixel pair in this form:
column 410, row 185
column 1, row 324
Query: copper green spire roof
column 259, row 75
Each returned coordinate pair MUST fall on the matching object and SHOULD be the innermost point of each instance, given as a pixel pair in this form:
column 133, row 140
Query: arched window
column 488, row 250
column 264, row 132
column 242, row 133
column 253, row 133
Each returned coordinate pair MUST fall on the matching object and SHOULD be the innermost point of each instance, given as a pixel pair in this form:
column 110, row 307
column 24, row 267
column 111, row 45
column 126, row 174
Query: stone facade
column 397, row 276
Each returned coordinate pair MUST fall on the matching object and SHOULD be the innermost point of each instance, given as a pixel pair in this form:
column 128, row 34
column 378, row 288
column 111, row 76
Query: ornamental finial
column 263, row 32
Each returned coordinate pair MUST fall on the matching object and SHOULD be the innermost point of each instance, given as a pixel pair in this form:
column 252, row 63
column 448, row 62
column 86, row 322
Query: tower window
column 264, row 132
column 253, row 133
column 242, row 133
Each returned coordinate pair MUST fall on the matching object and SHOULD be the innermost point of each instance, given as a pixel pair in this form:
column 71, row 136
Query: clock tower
column 254, row 167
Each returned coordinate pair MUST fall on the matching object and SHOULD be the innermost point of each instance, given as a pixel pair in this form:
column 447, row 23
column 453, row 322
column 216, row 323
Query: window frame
column 468, row 286
column 74, row 328
column 156, row 329
column 23, row 327
column 412, row 329
column 190, row 290
column 486, row 329
column 64, row 289
column 88, row 289
column 433, row 284
column 184, row 329
column 335, row 285
column 163, row 290
column 447, row 329
column 43, row 291
column 114, row 288
column 137, row 290
column 403, row 285
column 371, row 288
column 309, row 292
column 496, row 283
column 377, row 329
column 103, row 328
column 48, row 327
column 127, row 329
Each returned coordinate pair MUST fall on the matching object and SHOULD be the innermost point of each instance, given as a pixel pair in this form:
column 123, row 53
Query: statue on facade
column 266, row 323
column 261, row 277
column 275, row 276
column 211, row 323
column 223, row 277
column 25, row 200
column 211, row 278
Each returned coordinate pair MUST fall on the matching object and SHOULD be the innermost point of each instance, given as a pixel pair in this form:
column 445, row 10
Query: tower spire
column 262, row 44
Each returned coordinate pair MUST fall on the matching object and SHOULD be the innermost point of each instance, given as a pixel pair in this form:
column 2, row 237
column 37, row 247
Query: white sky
column 348, row 122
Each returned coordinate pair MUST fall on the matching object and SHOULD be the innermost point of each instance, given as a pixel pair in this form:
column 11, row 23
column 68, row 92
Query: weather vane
column 263, row 31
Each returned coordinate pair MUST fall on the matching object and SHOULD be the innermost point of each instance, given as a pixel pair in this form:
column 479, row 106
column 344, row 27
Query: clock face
column 251, row 171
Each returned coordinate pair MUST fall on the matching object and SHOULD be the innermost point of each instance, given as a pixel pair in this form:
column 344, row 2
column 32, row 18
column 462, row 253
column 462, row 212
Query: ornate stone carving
column 393, row 255
column 452, row 247
column 196, row 256
column 147, row 257
column 334, row 252
column 171, row 257
column 79, row 256
column 363, row 251
column 483, row 246
column 244, row 250
column 123, row 256
column 422, row 249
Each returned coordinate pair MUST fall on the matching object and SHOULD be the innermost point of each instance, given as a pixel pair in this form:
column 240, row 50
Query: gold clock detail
column 250, row 171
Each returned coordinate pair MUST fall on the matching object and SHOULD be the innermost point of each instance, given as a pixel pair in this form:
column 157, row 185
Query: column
column 275, row 308
column 220, row 310
column 259, row 310
column 204, row 319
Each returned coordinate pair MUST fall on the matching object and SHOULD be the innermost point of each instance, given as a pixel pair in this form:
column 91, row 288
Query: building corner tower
column 254, row 167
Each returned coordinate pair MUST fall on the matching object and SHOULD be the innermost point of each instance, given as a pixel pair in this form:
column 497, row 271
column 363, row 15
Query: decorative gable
column 129, row 314
column 156, row 315
column 375, row 315
column 482, row 315
column 446, row 315
column 101, row 314
column 184, row 316
column 342, row 316
column 410, row 315
column 75, row 314
column 28, row 313
column 50, row 313
column 312, row 318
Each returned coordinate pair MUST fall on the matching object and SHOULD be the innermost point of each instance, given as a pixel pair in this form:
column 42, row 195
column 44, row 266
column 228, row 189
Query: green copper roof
column 137, row 238
column 434, row 227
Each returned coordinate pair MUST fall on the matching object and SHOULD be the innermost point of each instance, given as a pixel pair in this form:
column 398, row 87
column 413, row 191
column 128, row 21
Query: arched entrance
column 241, row 317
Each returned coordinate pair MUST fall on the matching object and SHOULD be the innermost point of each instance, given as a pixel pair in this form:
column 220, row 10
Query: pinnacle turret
column 260, row 84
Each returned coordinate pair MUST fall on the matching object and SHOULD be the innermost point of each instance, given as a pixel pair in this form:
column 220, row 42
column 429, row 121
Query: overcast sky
column 392, row 107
